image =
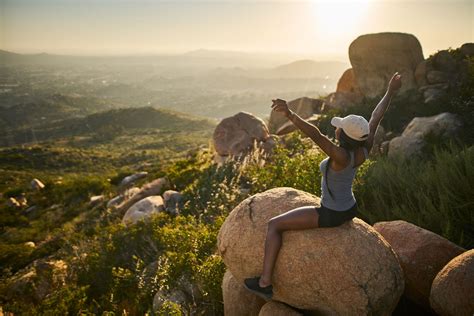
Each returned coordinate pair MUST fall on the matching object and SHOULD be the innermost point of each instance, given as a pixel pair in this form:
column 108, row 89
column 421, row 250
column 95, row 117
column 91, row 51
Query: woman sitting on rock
column 338, row 205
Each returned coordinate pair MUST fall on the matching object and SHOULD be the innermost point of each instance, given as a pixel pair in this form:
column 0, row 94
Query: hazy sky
column 316, row 28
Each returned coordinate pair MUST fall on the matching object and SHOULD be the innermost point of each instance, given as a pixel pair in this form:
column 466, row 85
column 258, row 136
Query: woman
column 338, row 205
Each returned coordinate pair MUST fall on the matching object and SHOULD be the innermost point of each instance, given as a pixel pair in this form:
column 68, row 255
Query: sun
column 334, row 17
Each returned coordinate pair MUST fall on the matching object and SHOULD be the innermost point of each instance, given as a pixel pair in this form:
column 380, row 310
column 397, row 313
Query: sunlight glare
column 337, row 16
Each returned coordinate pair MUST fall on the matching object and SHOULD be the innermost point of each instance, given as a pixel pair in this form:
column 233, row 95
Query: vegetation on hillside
column 117, row 269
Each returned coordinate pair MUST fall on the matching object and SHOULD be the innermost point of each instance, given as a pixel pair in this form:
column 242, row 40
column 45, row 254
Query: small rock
column 30, row 244
column 36, row 184
column 115, row 201
column 12, row 202
column 96, row 200
column 132, row 178
column 173, row 201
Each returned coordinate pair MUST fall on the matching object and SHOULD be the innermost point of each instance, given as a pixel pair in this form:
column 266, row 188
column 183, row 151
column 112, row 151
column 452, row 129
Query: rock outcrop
column 422, row 254
column 441, row 71
column 238, row 300
column 452, row 292
column 413, row 138
column 153, row 188
column 376, row 57
column 143, row 209
column 343, row 270
column 305, row 107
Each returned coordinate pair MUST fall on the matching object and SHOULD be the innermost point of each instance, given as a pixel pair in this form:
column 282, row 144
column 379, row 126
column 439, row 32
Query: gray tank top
column 340, row 183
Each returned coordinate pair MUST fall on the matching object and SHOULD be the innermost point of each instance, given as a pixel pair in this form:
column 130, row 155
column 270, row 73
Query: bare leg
column 304, row 217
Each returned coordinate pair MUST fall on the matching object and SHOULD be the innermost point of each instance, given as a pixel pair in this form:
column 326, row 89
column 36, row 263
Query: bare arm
column 333, row 151
column 381, row 108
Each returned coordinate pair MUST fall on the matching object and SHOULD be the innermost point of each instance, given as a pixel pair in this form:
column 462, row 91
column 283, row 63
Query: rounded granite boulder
column 346, row 270
column 422, row 254
column 452, row 291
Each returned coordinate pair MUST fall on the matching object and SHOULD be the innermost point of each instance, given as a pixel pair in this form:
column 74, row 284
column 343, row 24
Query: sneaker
column 252, row 285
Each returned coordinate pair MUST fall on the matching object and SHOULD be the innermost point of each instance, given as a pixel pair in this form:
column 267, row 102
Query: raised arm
column 379, row 111
column 326, row 145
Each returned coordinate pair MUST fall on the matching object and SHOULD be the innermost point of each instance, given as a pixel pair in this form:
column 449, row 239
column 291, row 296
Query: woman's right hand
column 280, row 105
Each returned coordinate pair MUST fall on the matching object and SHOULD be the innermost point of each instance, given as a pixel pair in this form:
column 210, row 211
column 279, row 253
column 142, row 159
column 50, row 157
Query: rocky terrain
column 126, row 232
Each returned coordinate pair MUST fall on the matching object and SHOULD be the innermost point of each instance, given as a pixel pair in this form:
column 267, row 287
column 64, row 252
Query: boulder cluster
column 374, row 59
column 140, row 203
column 352, row 269
column 345, row 270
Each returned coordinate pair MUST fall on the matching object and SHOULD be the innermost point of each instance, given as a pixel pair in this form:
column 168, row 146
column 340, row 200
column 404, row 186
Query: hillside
column 108, row 124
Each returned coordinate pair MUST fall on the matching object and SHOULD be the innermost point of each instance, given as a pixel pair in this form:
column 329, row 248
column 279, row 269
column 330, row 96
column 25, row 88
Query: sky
column 321, row 29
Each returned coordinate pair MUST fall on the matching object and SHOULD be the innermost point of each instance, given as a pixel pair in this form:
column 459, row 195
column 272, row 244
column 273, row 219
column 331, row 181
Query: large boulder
column 305, row 107
column 413, row 139
column 143, row 209
column 422, row 254
column 376, row 57
column 452, row 292
column 274, row 308
column 238, row 300
column 237, row 134
column 344, row 270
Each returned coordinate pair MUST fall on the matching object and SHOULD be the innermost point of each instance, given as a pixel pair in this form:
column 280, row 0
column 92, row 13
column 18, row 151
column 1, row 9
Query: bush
column 435, row 194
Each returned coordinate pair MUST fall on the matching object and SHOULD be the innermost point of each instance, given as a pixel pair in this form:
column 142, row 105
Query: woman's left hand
column 395, row 83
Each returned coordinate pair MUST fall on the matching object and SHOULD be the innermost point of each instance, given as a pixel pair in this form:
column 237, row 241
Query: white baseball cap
column 355, row 126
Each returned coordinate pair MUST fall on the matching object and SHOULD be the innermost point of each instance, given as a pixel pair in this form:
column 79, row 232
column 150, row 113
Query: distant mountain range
column 202, row 58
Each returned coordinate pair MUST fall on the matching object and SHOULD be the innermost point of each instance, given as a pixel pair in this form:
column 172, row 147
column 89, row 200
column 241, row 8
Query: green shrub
column 294, row 165
column 435, row 194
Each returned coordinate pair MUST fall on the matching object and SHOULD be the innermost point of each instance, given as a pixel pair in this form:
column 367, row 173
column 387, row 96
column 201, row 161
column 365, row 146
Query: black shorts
column 331, row 218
